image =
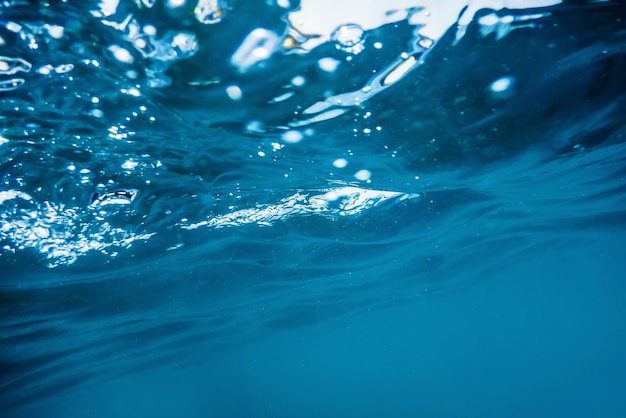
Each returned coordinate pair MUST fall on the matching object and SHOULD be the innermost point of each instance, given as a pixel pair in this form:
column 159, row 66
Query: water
column 241, row 209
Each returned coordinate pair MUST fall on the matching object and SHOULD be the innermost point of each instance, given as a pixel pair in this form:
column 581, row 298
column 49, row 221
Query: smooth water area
column 278, row 209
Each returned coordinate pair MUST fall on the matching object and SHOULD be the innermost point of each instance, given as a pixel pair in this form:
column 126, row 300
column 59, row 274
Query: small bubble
column 340, row 162
column 45, row 70
column 149, row 30
column 292, row 137
column 255, row 126
column 378, row 45
column 64, row 68
column 298, row 81
column 234, row 92
column 363, row 175
column 121, row 54
column 501, row 85
column 54, row 31
column 328, row 64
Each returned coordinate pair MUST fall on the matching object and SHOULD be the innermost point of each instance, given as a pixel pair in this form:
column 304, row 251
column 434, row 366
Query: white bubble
column 328, row 64
column 340, row 162
column 234, row 92
column 121, row 54
column 378, row 45
column 292, row 137
column 209, row 11
column 96, row 113
column 501, row 84
column 298, row 81
column 363, row 175
column 131, row 91
column 149, row 30
column 55, row 31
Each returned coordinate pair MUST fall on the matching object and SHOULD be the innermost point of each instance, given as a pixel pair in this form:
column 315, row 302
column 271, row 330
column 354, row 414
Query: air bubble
column 298, row 81
column 121, row 54
column 340, row 162
column 501, row 84
column 258, row 46
column 292, row 136
column 363, row 175
column 55, row 31
column 234, row 92
column 328, row 64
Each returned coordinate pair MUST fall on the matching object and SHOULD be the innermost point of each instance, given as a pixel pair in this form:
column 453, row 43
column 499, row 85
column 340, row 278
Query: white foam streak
column 331, row 203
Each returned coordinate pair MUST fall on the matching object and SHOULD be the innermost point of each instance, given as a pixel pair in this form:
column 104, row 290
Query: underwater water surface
column 275, row 209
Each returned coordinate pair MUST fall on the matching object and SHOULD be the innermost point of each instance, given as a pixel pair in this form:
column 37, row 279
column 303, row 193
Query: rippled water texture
column 314, row 208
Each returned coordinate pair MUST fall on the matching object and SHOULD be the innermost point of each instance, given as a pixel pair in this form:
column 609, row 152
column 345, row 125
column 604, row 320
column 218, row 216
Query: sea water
column 303, row 209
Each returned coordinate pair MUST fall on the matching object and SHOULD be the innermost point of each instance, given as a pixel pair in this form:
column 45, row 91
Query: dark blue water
column 275, row 209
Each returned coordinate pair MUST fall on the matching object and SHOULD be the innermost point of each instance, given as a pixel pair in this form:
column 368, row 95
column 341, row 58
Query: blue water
column 193, row 227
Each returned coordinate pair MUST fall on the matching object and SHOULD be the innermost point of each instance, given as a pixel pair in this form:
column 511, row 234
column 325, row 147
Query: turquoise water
column 385, row 220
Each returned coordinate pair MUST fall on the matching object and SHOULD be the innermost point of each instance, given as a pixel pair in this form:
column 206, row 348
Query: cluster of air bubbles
column 349, row 38
column 272, row 149
column 84, row 175
column 63, row 234
column 59, row 69
column 160, row 51
column 210, row 11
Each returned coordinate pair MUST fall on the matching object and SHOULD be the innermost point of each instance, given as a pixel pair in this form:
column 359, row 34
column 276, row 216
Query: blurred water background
column 224, row 208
